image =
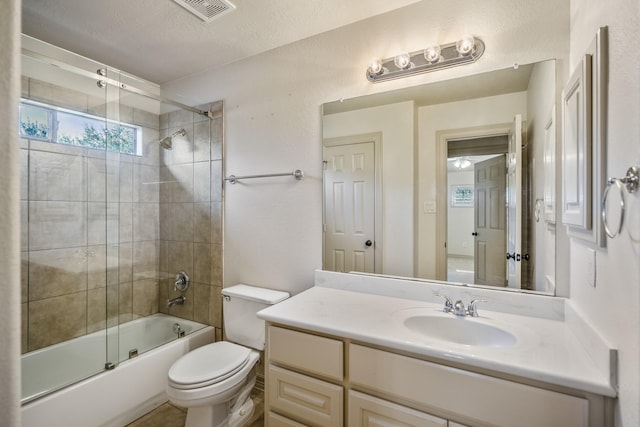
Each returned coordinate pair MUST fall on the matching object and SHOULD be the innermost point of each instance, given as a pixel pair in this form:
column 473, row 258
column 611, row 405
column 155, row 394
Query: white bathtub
column 109, row 398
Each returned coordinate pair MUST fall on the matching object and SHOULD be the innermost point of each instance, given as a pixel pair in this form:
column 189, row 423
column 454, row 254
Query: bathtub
column 109, row 398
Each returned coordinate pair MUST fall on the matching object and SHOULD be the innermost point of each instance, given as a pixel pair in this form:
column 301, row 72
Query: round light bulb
column 375, row 66
column 402, row 61
column 432, row 54
column 466, row 45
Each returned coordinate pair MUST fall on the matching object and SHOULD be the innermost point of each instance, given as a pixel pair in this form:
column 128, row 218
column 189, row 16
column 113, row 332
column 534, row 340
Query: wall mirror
column 451, row 181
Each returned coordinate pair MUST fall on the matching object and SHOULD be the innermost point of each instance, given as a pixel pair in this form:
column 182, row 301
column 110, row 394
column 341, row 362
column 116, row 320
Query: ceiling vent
column 207, row 10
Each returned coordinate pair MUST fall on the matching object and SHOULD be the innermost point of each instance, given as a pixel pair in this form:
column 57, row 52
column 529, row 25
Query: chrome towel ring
column 630, row 182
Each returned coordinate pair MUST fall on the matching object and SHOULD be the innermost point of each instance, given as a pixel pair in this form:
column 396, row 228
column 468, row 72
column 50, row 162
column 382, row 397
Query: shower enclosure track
column 103, row 80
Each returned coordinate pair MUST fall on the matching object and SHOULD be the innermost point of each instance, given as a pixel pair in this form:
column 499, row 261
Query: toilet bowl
column 214, row 382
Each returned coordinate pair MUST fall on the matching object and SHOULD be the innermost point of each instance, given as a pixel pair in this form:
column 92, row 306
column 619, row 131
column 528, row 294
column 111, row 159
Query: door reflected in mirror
column 476, row 228
column 441, row 181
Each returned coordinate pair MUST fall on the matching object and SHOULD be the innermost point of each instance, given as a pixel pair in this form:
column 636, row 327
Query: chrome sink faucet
column 458, row 307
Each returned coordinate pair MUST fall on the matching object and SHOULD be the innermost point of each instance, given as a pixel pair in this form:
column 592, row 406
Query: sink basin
column 460, row 330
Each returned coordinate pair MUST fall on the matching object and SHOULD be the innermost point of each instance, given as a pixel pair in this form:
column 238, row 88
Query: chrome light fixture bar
column 464, row 51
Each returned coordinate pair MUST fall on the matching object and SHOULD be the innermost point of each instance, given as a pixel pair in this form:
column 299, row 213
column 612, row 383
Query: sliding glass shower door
column 70, row 223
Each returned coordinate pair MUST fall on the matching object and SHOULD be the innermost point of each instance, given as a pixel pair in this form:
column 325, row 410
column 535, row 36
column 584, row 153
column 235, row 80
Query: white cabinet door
column 275, row 420
column 304, row 398
column 473, row 396
column 576, row 148
column 311, row 354
column 369, row 411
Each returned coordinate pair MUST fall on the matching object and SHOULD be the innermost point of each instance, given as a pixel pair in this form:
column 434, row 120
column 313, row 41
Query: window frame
column 53, row 126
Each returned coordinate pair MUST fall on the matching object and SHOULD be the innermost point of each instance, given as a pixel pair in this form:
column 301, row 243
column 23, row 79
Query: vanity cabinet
column 462, row 394
column 330, row 381
column 304, row 379
column 366, row 410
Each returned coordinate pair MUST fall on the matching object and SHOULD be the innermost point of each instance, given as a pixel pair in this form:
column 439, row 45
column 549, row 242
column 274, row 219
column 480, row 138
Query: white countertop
column 547, row 350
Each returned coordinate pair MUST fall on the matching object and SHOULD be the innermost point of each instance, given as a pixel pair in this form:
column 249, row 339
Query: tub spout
column 176, row 301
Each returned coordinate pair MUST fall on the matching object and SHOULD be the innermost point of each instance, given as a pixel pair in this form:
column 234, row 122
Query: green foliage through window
column 79, row 129
column 34, row 129
column 117, row 138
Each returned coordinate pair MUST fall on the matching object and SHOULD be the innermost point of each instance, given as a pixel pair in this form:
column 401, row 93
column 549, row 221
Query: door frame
column 376, row 138
column 442, row 145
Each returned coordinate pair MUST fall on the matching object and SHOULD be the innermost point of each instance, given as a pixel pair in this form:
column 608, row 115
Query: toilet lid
column 208, row 365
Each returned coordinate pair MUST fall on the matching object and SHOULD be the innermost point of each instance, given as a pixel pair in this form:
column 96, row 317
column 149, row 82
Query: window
column 35, row 122
column 53, row 124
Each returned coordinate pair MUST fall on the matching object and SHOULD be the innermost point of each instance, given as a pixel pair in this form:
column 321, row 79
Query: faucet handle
column 472, row 310
column 448, row 304
column 181, row 282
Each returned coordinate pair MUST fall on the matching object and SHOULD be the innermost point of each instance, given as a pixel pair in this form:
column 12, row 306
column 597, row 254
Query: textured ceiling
column 160, row 41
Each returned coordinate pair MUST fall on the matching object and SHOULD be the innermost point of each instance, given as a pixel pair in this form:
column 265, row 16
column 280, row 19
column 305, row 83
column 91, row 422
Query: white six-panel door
column 490, row 222
column 349, row 202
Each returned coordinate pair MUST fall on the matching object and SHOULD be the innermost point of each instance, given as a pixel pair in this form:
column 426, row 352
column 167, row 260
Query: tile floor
column 460, row 269
column 169, row 415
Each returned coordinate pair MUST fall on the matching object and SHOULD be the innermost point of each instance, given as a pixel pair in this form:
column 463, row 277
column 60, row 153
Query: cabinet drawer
column 303, row 398
column 478, row 398
column 365, row 410
column 275, row 420
column 310, row 353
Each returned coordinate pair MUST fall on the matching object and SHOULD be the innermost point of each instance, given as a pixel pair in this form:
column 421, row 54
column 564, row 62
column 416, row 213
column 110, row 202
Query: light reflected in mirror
column 451, row 181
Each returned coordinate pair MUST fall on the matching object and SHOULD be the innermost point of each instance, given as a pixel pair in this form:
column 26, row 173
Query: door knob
column 368, row 243
column 474, row 233
column 509, row 256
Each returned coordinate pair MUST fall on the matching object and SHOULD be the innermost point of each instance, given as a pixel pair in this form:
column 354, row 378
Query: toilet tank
column 240, row 303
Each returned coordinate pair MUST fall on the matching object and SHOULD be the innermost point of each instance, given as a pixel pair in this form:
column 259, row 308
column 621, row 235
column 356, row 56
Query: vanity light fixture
column 402, row 61
column 433, row 54
column 464, row 51
column 375, row 66
column 466, row 45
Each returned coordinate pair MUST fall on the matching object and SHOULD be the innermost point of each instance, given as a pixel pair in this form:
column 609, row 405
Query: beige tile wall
column 191, row 213
column 103, row 233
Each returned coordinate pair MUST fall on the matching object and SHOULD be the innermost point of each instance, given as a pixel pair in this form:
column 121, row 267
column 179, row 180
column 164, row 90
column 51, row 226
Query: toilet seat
column 208, row 365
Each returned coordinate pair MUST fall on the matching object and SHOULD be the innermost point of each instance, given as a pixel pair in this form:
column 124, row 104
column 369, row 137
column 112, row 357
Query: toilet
column 214, row 381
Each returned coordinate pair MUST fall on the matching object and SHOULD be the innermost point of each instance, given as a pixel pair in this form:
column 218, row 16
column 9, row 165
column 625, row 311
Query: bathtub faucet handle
column 182, row 281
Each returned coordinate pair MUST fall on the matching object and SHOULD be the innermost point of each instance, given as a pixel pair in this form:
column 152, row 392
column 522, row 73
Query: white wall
column 396, row 123
column 10, row 213
column 453, row 115
column 273, row 234
column 613, row 306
